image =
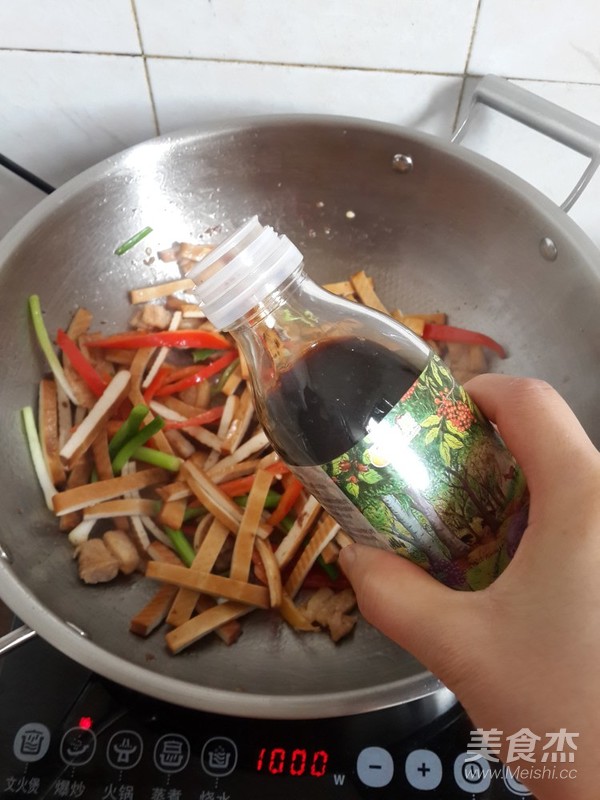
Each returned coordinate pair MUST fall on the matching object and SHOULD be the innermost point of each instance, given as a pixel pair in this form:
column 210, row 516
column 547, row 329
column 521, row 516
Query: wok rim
column 57, row 631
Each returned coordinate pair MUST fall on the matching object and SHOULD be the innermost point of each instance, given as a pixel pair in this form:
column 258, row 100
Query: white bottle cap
column 242, row 271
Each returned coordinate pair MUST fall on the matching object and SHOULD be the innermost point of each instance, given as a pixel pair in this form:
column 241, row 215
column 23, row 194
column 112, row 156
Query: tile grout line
column 146, row 71
column 331, row 67
column 466, row 69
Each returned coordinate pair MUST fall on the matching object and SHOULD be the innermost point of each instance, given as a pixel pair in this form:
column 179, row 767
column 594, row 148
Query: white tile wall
column 81, row 79
column 188, row 92
column 388, row 34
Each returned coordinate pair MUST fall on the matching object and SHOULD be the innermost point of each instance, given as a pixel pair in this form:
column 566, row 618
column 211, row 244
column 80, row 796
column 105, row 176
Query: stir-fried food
column 149, row 453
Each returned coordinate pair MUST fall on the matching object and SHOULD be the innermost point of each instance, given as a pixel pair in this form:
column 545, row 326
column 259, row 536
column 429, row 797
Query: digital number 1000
column 279, row 761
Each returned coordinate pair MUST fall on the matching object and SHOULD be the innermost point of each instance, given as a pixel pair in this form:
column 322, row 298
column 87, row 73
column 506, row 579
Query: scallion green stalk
column 43, row 338
column 128, row 429
column 132, row 241
column 181, row 545
column 37, row 456
column 157, row 458
column 137, row 441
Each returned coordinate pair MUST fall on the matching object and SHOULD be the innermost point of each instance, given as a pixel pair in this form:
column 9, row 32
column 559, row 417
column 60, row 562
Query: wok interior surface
column 456, row 234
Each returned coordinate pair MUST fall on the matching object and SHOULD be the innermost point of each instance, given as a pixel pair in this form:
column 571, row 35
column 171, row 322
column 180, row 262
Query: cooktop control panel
column 67, row 733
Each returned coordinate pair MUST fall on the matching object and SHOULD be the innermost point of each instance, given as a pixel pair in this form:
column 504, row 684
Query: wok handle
column 563, row 126
column 15, row 638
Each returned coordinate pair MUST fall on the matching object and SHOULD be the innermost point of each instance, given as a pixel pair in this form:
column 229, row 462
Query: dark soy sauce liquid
column 324, row 402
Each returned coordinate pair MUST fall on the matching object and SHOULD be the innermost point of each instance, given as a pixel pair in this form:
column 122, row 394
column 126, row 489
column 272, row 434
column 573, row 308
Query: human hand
column 525, row 652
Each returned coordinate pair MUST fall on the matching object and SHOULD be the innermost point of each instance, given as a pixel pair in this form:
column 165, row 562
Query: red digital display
column 294, row 762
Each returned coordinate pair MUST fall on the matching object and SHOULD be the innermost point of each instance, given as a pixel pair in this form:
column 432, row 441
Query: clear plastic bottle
column 365, row 414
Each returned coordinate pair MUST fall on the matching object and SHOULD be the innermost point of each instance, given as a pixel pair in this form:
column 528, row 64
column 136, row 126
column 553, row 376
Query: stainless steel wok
column 441, row 230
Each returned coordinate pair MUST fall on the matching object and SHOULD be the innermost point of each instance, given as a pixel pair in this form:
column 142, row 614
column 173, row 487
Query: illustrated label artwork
column 437, row 484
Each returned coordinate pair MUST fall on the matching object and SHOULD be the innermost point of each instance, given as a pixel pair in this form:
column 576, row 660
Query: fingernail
column 347, row 557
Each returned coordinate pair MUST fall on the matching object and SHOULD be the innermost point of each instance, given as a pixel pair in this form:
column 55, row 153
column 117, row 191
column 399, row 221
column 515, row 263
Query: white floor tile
column 547, row 40
column 189, row 92
column 81, row 25
column 60, row 113
column 549, row 166
column 429, row 35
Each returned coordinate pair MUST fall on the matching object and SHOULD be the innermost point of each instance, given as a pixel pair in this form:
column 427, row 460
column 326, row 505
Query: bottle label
column 434, row 483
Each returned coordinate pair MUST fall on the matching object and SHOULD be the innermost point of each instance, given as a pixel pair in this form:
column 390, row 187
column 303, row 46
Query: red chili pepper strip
column 288, row 498
column 177, row 374
column 199, row 375
column 317, row 579
column 159, row 379
column 448, row 333
column 212, row 415
column 80, row 363
column 179, row 338
column 237, row 487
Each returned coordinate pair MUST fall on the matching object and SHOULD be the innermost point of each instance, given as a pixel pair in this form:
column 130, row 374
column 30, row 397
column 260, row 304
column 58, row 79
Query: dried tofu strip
column 158, row 290
column 229, row 410
column 173, row 405
column 208, row 552
column 211, row 497
column 172, row 514
column 121, row 357
column 240, row 423
column 179, row 490
column 231, row 384
column 343, row 540
column 252, row 446
column 101, row 456
column 244, row 540
column 138, row 529
column 294, row 616
column 330, row 552
column 229, row 470
column 203, row 624
column 229, row 632
column 216, row 501
column 214, row 585
column 138, row 367
column 272, row 571
column 80, row 323
column 204, row 436
column 244, row 366
column 85, row 434
column 155, row 531
column 292, row 541
column 194, row 252
column 83, row 496
column 154, row 612
column 78, row 476
column 325, row 531
column 133, row 506
column 341, row 288
column 48, row 428
column 363, row 286
column 270, row 460
column 158, row 551
column 162, row 353
column 65, row 416
column 182, row 447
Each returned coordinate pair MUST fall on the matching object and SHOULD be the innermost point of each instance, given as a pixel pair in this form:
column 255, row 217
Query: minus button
column 375, row 767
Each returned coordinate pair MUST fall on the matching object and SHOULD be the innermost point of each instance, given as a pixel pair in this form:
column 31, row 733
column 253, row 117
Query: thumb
column 410, row 607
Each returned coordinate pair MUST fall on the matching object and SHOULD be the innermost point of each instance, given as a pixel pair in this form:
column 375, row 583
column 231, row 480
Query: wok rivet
column 77, row 630
column 548, row 249
column 402, row 163
column 5, row 555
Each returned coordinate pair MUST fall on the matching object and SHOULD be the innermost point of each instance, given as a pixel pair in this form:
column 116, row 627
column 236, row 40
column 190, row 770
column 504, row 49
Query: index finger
column 538, row 427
